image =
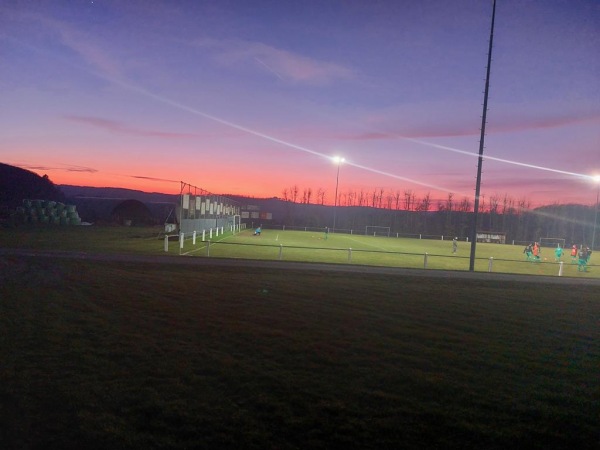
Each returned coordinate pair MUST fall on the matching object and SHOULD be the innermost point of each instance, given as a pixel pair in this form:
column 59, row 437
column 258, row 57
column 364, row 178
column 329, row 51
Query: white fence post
column 350, row 255
column 560, row 269
column 280, row 251
column 194, row 237
column 425, row 261
column 181, row 238
column 208, row 248
column 210, row 233
column 203, row 235
column 490, row 263
column 166, row 243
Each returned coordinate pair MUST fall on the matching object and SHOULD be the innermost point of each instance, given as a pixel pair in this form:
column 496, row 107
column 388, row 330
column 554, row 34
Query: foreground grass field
column 101, row 355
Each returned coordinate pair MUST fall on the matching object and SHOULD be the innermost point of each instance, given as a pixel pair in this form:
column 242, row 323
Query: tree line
column 406, row 213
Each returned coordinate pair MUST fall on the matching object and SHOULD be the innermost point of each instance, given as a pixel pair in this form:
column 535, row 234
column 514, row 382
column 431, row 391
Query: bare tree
column 343, row 199
column 374, row 199
column 294, row 193
column 425, row 203
column 380, row 198
column 321, row 196
column 308, row 195
column 494, row 203
column 389, row 200
column 397, row 197
column 450, row 202
column 465, row 205
column 285, row 195
column 361, row 198
column 351, row 198
column 408, row 196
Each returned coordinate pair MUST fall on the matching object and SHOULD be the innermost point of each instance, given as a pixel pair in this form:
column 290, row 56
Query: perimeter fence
column 223, row 249
column 362, row 232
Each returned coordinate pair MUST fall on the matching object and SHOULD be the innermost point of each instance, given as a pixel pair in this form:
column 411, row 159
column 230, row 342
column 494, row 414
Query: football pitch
column 303, row 246
column 386, row 251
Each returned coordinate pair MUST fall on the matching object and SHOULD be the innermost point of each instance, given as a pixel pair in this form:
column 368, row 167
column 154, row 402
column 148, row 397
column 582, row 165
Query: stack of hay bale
column 47, row 212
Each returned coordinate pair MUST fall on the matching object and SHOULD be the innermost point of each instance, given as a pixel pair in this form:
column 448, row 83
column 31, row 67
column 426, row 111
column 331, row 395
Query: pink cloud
column 117, row 127
column 81, row 43
column 65, row 167
column 153, row 178
column 281, row 63
column 454, row 130
column 511, row 125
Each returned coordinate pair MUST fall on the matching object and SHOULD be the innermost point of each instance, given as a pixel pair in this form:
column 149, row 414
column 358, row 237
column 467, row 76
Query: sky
column 255, row 97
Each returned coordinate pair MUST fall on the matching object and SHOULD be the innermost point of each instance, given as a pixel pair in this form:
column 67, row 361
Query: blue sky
column 254, row 97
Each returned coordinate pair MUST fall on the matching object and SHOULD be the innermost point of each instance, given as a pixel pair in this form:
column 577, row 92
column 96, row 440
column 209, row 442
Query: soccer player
column 558, row 253
column 536, row 251
column 528, row 252
column 583, row 258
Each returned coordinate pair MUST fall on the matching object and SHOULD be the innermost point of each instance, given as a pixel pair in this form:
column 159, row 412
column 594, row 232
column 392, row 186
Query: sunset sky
column 253, row 97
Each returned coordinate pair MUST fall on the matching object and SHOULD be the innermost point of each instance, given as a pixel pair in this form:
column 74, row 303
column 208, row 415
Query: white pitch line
column 204, row 246
column 367, row 243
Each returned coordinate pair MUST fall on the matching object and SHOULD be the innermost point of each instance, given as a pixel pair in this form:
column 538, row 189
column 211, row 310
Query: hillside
column 17, row 184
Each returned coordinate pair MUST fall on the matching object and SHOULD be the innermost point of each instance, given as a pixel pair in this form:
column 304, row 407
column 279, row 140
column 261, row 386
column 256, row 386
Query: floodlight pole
column 597, row 179
column 338, row 161
column 481, row 146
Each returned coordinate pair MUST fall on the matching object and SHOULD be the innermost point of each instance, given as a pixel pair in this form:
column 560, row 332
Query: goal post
column 552, row 242
column 371, row 230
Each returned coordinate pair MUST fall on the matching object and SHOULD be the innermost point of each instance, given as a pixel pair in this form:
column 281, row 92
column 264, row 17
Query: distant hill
column 97, row 204
column 17, row 184
column 116, row 194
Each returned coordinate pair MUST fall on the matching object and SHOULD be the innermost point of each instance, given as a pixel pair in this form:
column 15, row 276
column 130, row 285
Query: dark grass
column 106, row 355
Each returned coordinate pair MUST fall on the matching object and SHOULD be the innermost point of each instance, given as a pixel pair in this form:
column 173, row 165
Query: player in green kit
column 558, row 253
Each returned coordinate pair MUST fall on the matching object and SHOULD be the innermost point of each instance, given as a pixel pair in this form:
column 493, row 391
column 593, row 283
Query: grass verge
column 113, row 355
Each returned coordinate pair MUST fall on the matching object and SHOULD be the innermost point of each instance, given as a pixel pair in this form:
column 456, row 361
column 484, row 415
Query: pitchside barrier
column 203, row 235
column 219, row 248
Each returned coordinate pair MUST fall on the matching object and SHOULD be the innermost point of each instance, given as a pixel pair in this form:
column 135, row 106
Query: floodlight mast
column 338, row 160
column 597, row 181
column 481, row 146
